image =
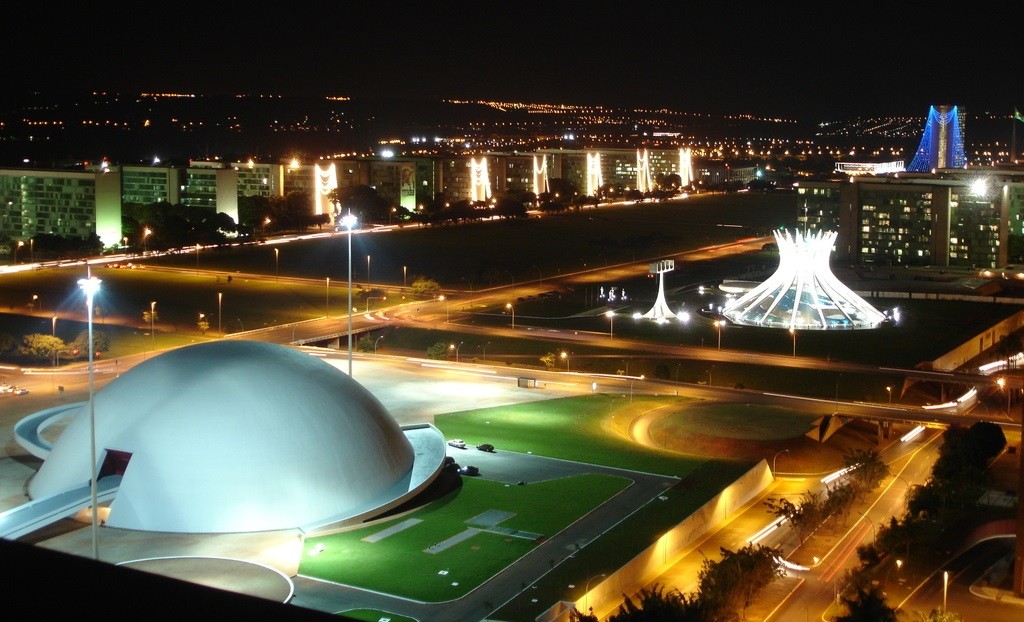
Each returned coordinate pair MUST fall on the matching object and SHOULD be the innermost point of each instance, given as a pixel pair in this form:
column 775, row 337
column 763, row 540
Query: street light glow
column 90, row 286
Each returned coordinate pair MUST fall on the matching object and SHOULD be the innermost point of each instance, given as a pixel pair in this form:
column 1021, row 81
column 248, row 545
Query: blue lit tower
column 942, row 145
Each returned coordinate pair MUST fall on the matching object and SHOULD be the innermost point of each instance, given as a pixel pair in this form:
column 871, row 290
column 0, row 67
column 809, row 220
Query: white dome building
column 241, row 436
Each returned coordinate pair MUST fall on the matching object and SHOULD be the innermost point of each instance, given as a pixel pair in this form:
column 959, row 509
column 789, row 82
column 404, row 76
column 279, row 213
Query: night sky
column 776, row 59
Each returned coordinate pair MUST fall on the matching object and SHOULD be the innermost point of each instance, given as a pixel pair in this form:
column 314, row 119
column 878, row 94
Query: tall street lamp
column 349, row 221
column 945, row 587
column 718, row 326
column 565, row 357
column 792, row 331
column 375, row 343
column 327, row 306
column 53, row 333
column 889, row 391
column 31, row 249
column 90, row 286
column 776, row 458
column 220, row 305
column 485, row 350
column 277, row 264
column 367, row 268
column 452, row 346
column 611, row 324
column 586, row 590
column 405, row 272
column 152, row 325
column 1002, row 387
column 508, row 305
column 145, row 237
column 197, row 259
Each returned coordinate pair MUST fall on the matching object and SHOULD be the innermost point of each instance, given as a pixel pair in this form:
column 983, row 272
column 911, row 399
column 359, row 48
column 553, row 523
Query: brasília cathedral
column 803, row 294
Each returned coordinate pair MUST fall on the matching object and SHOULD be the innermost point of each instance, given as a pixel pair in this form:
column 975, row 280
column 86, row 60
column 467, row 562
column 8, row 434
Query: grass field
column 400, row 564
column 589, row 429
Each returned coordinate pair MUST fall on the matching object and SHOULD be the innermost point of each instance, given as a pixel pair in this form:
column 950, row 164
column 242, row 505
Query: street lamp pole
column 375, row 343
column 90, row 286
column 405, row 273
column 367, row 268
column 775, row 459
column 586, row 590
column 327, row 306
column 152, row 325
column 277, row 264
column 945, row 586
column 220, row 305
column 889, row 391
column 611, row 324
column 452, row 346
column 565, row 357
column 508, row 305
column 197, row 259
column 718, row 325
column 349, row 221
column 792, row 331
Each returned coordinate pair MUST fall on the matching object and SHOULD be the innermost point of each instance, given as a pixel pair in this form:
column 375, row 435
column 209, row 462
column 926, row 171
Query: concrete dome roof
column 233, row 436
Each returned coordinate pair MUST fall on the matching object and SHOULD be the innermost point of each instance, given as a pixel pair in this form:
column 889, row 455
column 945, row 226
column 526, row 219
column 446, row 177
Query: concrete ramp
column 39, row 513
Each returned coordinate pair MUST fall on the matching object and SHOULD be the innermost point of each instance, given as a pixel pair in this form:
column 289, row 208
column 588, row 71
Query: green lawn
column 576, row 428
column 400, row 564
column 571, row 428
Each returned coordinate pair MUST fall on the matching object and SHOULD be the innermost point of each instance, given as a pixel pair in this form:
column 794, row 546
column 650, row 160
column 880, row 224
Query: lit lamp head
column 90, row 286
column 348, row 221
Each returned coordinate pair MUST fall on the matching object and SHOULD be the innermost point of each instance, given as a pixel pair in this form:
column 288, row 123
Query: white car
column 457, row 442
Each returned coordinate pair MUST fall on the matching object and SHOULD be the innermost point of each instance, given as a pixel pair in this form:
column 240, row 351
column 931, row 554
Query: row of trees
column 865, row 471
column 935, row 519
column 40, row 347
column 726, row 588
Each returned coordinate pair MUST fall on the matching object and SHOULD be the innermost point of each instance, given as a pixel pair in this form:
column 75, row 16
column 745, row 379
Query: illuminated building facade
column 803, row 294
column 67, row 203
column 951, row 218
column 942, row 143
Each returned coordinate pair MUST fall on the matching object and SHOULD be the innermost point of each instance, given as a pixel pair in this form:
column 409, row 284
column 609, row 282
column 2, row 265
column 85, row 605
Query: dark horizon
column 765, row 60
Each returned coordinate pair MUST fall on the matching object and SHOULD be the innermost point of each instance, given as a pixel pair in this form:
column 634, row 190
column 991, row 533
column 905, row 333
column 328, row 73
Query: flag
column 1017, row 116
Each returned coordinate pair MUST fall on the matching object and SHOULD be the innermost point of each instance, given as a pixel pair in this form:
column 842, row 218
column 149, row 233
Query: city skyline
column 761, row 60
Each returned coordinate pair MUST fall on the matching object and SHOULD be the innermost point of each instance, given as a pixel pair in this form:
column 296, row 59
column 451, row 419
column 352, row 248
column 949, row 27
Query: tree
column 867, row 470
column 938, row 615
column 654, row 604
column 804, row 517
column 365, row 344
column 438, row 351
column 80, row 346
column 42, row 347
column 548, row 360
column 867, row 604
column 7, row 343
column 424, row 288
column 737, row 579
column 202, row 324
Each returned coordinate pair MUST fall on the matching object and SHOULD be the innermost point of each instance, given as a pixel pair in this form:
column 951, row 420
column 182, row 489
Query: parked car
column 19, row 391
column 469, row 470
column 458, row 443
column 486, row 447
